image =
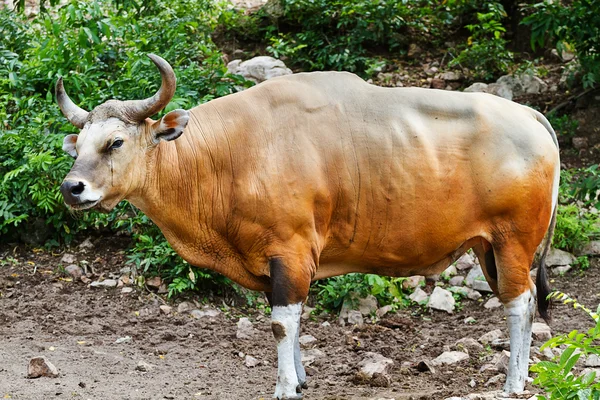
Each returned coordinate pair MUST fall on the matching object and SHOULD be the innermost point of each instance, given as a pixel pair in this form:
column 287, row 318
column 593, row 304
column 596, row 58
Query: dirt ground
column 76, row 327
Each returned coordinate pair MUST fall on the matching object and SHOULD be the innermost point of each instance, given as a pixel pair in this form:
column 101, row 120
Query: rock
column 472, row 294
column 383, row 311
column 68, row 258
column 451, row 76
column 425, row 366
column 465, row 261
column 310, row 356
column 495, row 379
column 184, row 307
column 456, row 280
column 449, row 272
column 365, row 305
column 245, row 329
column 126, row 290
column 41, row 366
column 592, row 361
column 580, row 143
column 492, row 303
column 307, row 341
column 523, row 84
column 437, row 83
column 105, row 283
column 541, row 331
column 259, row 69
column 419, row 296
column 533, row 273
column 474, row 274
column 86, row 245
column 442, row 300
column 306, row 312
column 461, row 290
column 413, row 50
column 470, row 345
column 143, row 366
column 449, row 358
column 501, row 344
column 491, row 336
column 166, row 309
column 500, row 361
column 74, row 271
column 590, row 249
column 373, row 363
column 500, row 90
column 355, row 318
column 470, row 320
column 326, row 324
column 154, row 282
column 557, row 257
column 413, row 282
column 477, row 87
column 205, row 313
column 125, row 339
column 560, row 270
column 251, row 362
column 482, row 286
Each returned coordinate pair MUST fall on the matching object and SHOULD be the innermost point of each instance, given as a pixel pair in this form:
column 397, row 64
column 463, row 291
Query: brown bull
column 320, row 174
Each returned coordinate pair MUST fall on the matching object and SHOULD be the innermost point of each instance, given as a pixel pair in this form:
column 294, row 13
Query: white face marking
column 287, row 379
column 519, row 313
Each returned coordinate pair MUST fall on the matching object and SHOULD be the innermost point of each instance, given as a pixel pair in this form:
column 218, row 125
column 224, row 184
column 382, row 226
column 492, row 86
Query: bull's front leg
column 289, row 289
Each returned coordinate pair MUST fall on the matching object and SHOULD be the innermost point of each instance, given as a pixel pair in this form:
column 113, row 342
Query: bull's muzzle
column 76, row 194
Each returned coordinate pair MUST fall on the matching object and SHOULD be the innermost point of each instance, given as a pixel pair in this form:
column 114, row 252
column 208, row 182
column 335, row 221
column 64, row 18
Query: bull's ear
column 69, row 143
column 171, row 126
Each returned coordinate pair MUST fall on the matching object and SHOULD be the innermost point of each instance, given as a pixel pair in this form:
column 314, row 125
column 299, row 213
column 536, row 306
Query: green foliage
column 571, row 24
column 564, row 125
column 485, row 52
column 332, row 292
column 557, row 378
column 587, row 185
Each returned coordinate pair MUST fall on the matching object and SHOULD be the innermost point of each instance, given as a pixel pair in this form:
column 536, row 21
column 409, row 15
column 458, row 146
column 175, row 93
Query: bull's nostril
column 77, row 189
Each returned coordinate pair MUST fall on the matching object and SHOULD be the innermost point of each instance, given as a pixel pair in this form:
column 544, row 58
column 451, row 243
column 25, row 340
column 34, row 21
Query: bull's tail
column 541, row 282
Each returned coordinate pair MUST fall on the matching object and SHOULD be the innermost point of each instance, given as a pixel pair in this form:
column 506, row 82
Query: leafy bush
column 558, row 378
column 572, row 24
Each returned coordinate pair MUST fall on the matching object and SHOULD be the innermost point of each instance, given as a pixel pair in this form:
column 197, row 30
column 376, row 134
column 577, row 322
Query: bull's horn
column 75, row 114
column 138, row 110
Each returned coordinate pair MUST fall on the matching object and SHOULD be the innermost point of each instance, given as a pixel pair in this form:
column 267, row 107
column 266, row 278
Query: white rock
column 353, row 302
column 495, row 379
column 592, row 361
column 86, row 245
column 74, row 271
column 492, row 303
column 105, row 283
column 307, row 340
column 251, row 361
column 482, row 286
column 419, row 296
column 355, row 318
column 500, row 361
column 68, row 258
column 501, row 90
column 143, row 366
column 477, row 87
column 451, row 76
column 560, row 270
column 310, row 356
column 41, row 366
column 461, row 290
column 245, row 330
column 165, row 309
column 306, row 312
column 449, row 358
column 326, row 324
column 184, row 307
column 465, row 261
column 442, row 300
column 126, row 290
column 205, row 313
column 491, row 336
column 413, row 282
column 473, row 294
column 456, row 280
column 470, row 320
column 449, row 272
column 383, row 311
column 541, row 331
column 374, row 363
column 523, row 84
column 590, row 249
column 367, row 305
column 259, row 69
column 474, row 274
column 469, row 345
column 557, row 257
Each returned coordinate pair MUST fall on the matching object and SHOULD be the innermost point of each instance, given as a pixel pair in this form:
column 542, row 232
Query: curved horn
column 138, row 110
column 75, row 114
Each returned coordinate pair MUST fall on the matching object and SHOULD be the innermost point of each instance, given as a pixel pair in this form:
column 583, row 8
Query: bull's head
column 113, row 146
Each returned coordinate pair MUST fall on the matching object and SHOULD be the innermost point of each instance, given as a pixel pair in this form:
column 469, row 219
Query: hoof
column 297, row 396
column 301, row 385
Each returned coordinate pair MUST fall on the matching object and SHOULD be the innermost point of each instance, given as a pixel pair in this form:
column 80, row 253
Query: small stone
column 492, row 303
column 205, row 313
column 419, row 296
column 477, row 87
column 474, row 274
column 373, row 363
column 460, row 290
column 495, row 379
column 413, row 282
column 310, row 356
column 425, row 366
column 473, row 294
column 184, row 307
column 154, row 282
column 307, row 341
column 557, row 257
column 306, row 312
column 126, row 290
column 86, row 245
column 383, row 311
column 105, row 283
column 491, row 336
column 592, row 361
column 580, row 143
column 465, row 261
column 560, row 270
column 326, row 324
column 470, row 320
column 449, row 358
column 143, row 366
column 413, row 50
column 166, row 309
column 456, row 280
column 449, row 272
column 355, row 318
column 367, row 305
column 482, row 286
column 125, row 339
column 41, row 366
column 500, row 361
column 470, row 345
column 74, row 271
column 245, row 329
column 442, row 300
column 251, row 362
column 68, row 258
column 541, row 331
column 451, row 76
column 590, row 249
column 500, row 90
column 437, row 83
column 501, row 344
column 472, row 383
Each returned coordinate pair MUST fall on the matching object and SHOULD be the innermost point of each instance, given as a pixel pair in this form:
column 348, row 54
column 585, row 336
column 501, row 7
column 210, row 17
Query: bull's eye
column 116, row 144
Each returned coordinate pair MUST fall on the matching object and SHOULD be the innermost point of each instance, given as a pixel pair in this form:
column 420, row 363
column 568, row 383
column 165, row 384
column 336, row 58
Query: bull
column 319, row 174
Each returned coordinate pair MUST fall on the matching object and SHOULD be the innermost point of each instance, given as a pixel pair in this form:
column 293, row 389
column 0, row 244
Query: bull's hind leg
column 516, row 290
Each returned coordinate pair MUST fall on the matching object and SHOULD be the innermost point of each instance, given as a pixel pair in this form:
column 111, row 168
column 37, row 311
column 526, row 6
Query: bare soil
column 76, row 327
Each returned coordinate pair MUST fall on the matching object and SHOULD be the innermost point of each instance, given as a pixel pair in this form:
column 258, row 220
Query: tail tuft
column 541, row 281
